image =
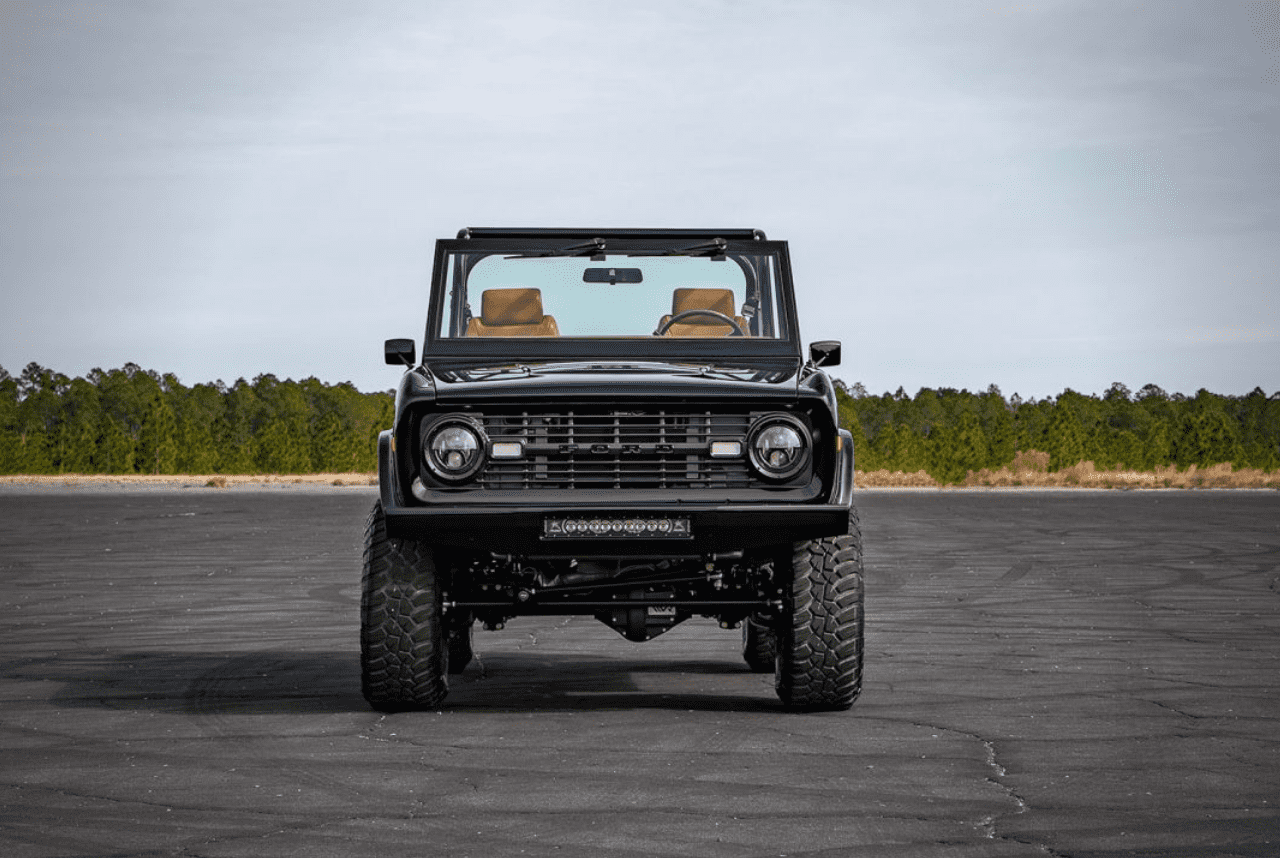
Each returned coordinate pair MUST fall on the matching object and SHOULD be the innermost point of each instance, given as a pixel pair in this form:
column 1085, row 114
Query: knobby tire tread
column 759, row 646
column 403, row 660
column 820, row 641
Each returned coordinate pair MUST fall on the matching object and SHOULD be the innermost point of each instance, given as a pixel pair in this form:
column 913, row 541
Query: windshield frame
column 435, row 346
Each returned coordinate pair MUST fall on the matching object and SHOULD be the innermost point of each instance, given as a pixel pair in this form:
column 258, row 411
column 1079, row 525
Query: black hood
column 615, row 379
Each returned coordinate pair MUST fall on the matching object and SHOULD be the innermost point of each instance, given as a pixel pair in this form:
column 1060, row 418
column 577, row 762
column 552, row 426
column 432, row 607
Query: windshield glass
column 628, row 295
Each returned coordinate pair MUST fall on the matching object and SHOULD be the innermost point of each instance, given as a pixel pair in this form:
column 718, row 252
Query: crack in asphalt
column 987, row 824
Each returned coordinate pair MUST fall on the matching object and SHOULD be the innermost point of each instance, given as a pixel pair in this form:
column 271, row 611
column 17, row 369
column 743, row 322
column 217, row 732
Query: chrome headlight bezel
column 763, row 439
column 449, row 434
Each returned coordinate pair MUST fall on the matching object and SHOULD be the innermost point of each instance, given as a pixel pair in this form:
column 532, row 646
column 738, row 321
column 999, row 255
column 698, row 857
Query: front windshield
column 633, row 295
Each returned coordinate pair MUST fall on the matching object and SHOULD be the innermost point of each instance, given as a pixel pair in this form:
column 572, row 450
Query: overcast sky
column 1037, row 195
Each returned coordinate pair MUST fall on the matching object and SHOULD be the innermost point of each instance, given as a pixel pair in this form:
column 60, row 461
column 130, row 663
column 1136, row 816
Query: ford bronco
column 619, row 424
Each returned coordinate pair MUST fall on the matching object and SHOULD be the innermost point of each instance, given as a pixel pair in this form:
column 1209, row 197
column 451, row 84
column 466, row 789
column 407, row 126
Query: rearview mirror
column 400, row 351
column 825, row 353
column 612, row 275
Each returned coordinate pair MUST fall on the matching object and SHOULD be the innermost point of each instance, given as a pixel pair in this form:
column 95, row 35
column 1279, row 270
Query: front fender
column 388, row 481
column 842, row 488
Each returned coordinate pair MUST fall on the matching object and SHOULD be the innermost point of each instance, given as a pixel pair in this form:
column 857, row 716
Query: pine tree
column 955, row 449
column 9, row 444
column 157, row 447
column 115, row 452
column 1206, row 437
column 233, row 430
column 1157, row 447
column 198, row 410
column 280, row 450
column 1063, row 440
column 998, row 427
column 78, row 428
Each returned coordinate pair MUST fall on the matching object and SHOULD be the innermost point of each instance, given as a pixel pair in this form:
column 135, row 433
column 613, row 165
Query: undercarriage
column 638, row 597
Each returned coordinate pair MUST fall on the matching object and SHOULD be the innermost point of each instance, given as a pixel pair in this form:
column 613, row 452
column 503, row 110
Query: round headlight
column 779, row 446
column 453, row 448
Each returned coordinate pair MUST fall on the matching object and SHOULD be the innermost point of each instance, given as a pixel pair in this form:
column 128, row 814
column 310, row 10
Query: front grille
column 595, row 449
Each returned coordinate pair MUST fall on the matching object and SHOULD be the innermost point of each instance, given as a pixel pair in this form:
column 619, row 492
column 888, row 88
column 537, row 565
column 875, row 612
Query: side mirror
column 399, row 352
column 825, row 353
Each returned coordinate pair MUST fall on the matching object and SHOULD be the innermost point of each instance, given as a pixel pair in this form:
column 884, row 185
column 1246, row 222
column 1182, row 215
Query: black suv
column 617, row 423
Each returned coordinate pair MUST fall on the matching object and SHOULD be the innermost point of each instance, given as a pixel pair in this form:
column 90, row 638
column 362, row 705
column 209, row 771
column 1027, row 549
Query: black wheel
column 459, row 644
column 759, row 646
column 403, row 661
column 820, row 640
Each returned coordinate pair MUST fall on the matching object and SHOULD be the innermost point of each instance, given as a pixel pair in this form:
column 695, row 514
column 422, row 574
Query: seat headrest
column 511, row 306
column 719, row 300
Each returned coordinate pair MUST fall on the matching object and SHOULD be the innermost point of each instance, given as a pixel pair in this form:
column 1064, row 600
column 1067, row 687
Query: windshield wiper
column 682, row 369
column 716, row 371
column 652, row 366
column 593, row 248
column 715, row 248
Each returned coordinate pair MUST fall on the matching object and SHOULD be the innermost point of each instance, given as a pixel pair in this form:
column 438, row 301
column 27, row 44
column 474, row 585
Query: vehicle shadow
column 529, row 681
column 319, row 683
column 248, row 683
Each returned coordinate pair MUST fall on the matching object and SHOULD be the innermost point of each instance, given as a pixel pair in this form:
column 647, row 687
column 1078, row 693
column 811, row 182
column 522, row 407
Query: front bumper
column 518, row 527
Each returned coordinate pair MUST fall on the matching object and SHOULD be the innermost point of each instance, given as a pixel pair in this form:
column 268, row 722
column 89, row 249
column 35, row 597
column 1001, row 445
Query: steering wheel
column 684, row 314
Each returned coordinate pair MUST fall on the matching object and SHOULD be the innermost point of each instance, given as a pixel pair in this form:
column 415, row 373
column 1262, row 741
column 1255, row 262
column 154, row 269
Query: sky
column 1035, row 195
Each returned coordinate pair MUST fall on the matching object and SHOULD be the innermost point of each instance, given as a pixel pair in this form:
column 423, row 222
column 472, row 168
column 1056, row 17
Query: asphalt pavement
column 1049, row 673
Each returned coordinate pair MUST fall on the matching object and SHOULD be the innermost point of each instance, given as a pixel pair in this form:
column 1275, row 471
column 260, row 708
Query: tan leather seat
column 719, row 300
column 512, row 313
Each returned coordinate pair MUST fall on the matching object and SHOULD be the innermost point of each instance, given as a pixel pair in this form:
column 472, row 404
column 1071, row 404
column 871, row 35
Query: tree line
column 948, row 432
column 136, row 421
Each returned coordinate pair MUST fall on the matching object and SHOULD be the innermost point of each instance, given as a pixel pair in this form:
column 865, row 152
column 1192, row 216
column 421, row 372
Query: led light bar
column 616, row 527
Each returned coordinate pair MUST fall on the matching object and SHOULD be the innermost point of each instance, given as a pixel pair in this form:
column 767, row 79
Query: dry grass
column 894, row 479
column 1031, row 468
column 1086, row 475
column 215, row 481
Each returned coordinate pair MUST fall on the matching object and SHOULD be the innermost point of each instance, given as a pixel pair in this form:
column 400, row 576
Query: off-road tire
column 403, row 659
column 759, row 646
column 819, row 662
